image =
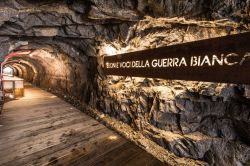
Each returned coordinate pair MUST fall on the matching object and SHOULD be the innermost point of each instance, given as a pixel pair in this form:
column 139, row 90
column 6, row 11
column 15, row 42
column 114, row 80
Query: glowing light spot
column 110, row 50
column 11, row 96
column 113, row 137
column 8, row 71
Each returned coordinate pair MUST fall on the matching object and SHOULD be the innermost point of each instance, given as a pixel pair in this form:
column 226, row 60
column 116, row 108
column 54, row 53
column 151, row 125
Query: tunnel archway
column 52, row 68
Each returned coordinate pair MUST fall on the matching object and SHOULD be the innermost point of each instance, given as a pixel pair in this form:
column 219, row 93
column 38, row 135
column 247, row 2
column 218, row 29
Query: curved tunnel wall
column 55, row 71
column 25, row 71
column 208, row 122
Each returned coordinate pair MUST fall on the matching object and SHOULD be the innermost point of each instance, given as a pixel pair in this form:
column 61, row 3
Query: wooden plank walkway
column 41, row 129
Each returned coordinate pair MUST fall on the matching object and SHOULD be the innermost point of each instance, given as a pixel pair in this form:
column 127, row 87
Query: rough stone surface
column 207, row 122
column 198, row 120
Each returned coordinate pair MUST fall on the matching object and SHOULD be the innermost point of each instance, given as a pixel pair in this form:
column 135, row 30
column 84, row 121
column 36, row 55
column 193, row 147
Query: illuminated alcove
column 8, row 71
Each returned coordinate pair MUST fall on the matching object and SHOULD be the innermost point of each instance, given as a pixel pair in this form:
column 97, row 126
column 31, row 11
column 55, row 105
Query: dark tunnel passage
column 53, row 69
column 52, row 128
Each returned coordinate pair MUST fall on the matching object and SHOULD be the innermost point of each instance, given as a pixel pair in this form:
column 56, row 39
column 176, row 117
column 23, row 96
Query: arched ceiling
column 77, row 26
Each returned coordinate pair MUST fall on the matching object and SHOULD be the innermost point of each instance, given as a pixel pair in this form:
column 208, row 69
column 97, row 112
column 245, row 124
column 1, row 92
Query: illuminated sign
column 223, row 59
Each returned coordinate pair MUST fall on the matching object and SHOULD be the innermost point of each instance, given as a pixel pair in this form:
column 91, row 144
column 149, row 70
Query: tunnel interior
column 59, row 46
column 50, row 68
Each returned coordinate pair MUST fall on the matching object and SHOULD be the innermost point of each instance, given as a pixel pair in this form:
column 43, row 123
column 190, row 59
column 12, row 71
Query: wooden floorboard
column 25, row 123
column 41, row 129
column 42, row 141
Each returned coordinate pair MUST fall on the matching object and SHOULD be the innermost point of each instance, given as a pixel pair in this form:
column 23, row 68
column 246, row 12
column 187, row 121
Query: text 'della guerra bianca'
column 230, row 59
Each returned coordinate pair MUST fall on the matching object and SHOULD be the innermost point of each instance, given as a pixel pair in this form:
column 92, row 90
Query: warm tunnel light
column 113, row 137
column 110, row 50
column 8, row 71
column 14, row 54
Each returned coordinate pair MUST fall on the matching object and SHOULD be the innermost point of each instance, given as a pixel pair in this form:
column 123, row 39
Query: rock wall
column 199, row 120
